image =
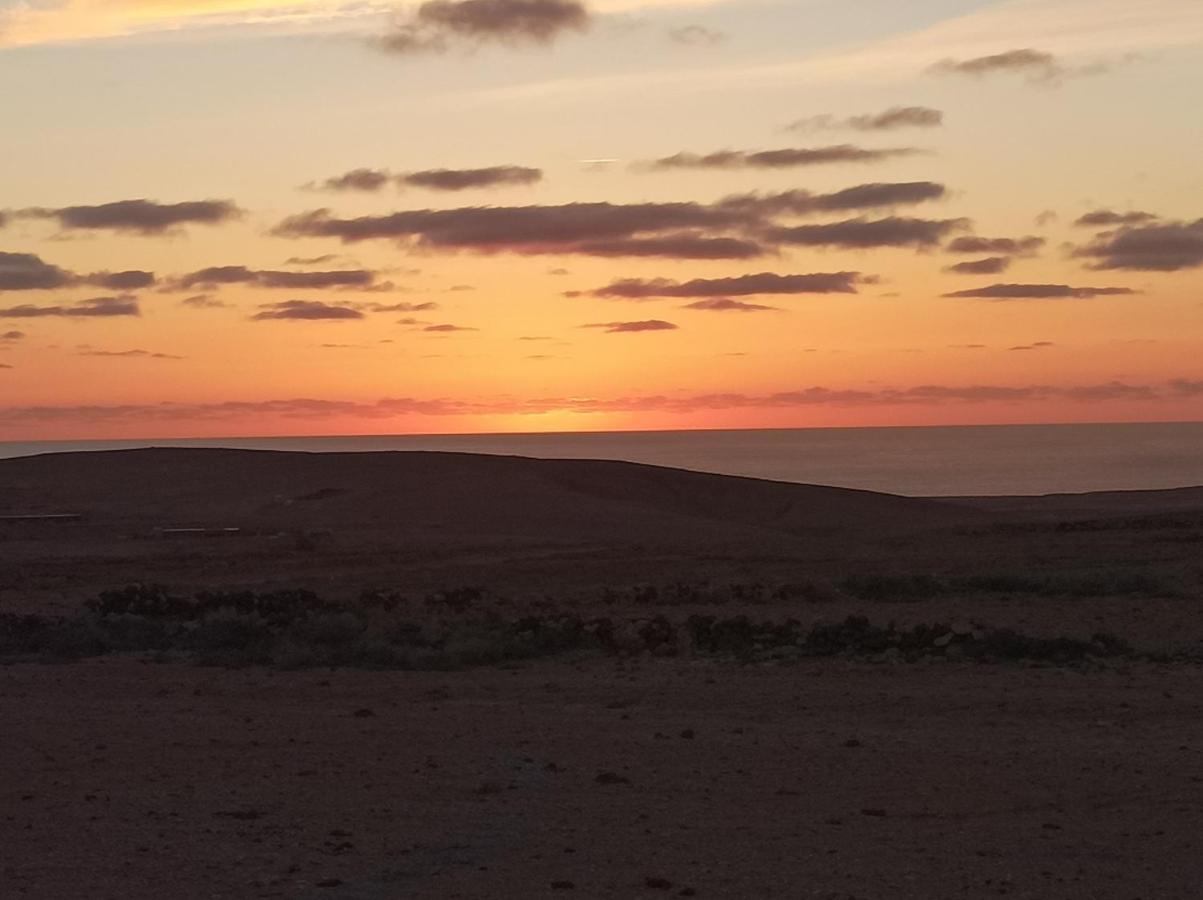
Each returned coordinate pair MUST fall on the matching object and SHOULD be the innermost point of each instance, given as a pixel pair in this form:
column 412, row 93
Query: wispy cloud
column 790, row 157
column 94, row 308
column 990, row 265
column 305, row 311
column 891, row 119
column 633, row 327
column 677, row 403
column 727, row 304
column 125, row 354
column 1041, row 292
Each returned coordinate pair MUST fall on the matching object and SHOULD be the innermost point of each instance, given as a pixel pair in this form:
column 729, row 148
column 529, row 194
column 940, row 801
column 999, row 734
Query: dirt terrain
column 624, row 772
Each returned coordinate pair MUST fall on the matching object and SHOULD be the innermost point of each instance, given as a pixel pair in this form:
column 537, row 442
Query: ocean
column 928, row 461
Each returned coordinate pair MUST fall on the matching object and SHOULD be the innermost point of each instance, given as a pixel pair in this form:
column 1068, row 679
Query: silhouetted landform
column 438, row 675
column 454, row 493
column 1094, row 505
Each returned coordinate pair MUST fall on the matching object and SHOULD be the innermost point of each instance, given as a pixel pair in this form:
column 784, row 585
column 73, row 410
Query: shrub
column 893, row 588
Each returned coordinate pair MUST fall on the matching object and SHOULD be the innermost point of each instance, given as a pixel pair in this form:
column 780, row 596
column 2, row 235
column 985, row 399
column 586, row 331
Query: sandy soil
column 124, row 780
column 594, row 776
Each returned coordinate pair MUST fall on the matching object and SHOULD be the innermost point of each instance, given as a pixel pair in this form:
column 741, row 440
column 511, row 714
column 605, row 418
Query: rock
column 563, row 886
column 657, row 884
column 611, row 778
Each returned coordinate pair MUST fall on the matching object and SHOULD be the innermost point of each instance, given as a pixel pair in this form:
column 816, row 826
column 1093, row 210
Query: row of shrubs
column 295, row 629
column 900, row 588
column 278, row 607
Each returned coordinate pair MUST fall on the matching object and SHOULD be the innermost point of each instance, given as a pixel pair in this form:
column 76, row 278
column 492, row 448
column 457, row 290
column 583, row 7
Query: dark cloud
column 305, row 310
column 96, row 307
column 740, row 286
column 1024, row 246
column 1038, row 345
column 1107, row 218
column 447, row 329
column 1040, row 292
column 726, row 304
column 130, row 280
column 676, row 246
column 1034, row 64
column 877, row 195
column 516, row 229
column 357, row 180
column 737, row 227
column 142, row 217
column 991, row 265
column 372, row 180
column 779, row 159
column 441, row 25
column 887, row 120
column 27, row 272
column 8, row 337
column 742, row 226
column 628, row 327
column 215, row 276
column 696, row 36
column 463, row 179
column 1167, row 247
column 894, row 231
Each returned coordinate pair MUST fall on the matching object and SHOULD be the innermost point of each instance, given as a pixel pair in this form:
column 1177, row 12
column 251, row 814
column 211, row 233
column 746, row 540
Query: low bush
column 297, row 629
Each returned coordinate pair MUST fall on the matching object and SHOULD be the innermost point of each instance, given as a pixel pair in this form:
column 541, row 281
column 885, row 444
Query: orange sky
column 527, row 176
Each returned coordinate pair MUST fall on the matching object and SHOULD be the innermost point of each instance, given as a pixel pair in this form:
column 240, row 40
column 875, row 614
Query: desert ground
column 530, row 678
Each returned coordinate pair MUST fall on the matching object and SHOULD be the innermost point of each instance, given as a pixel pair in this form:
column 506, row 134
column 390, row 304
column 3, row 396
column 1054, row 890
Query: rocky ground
column 959, row 763
column 602, row 778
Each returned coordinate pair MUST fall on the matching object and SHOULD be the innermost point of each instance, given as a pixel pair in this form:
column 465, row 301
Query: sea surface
column 930, row 461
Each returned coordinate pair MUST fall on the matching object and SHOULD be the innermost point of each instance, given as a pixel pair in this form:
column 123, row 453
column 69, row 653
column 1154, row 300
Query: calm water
column 996, row 459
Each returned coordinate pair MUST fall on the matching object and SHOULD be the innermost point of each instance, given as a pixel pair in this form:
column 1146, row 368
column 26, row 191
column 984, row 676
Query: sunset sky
column 263, row 217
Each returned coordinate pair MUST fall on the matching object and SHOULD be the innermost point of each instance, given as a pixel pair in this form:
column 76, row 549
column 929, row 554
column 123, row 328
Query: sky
column 274, row 217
